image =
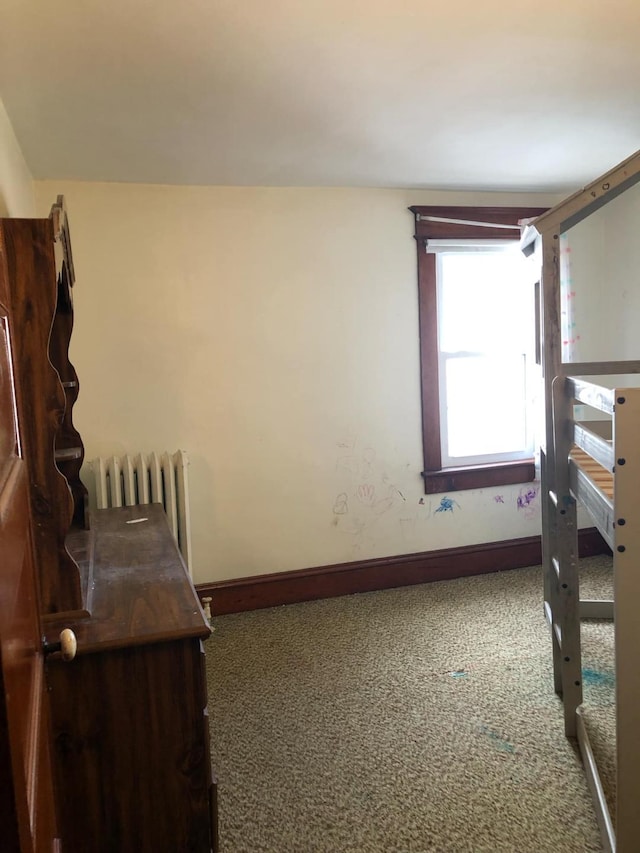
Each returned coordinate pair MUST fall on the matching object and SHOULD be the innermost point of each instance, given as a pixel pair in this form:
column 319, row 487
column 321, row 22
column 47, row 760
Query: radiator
column 148, row 478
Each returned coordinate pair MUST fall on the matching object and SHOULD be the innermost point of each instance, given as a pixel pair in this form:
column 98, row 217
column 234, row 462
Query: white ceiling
column 382, row 93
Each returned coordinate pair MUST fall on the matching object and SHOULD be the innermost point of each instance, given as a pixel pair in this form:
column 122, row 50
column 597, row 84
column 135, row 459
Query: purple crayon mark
column 525, row 499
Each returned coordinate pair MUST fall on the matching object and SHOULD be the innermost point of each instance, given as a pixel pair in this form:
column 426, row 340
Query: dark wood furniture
column 128, row 732
column 27, row 809
column 129, row 713
column 33, row 268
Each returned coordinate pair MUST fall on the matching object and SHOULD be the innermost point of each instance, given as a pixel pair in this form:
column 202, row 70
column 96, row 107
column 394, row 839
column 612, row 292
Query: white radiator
column 148, row 478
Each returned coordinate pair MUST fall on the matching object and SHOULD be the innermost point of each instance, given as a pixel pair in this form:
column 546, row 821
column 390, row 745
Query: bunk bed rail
column 599, row 368
column 598, row 466
column 591, row 445
column 594, row 438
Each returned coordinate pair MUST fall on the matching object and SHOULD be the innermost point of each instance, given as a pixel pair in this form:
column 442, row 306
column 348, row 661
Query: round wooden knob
column 68, row 644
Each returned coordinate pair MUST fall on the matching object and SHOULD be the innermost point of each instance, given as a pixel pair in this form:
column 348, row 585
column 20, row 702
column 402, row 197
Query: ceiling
column 384, row 93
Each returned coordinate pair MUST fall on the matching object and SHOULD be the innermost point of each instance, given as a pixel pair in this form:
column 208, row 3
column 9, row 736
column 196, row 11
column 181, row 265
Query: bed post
column 626, row 417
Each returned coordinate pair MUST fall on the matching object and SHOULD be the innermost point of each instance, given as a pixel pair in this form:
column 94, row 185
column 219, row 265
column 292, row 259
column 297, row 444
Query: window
column 476, row 344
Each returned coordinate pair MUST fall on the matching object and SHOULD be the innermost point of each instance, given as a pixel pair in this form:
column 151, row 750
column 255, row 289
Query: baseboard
column 253, row 593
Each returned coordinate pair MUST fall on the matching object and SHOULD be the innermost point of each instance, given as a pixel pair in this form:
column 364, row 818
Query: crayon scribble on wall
column 447, row 505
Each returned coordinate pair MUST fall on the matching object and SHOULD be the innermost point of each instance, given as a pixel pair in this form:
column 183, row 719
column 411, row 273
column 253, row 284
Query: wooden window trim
column 436, row 478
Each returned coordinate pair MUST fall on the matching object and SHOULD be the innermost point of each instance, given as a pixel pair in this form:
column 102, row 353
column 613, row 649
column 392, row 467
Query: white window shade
column 485, row 331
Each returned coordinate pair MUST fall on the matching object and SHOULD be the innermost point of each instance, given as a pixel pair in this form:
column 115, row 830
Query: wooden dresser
column 128, row 734
column 129, row 719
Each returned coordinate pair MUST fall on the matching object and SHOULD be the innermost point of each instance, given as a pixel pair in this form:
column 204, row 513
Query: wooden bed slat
column 595, row 501
column 594, row 439
column 602, row 478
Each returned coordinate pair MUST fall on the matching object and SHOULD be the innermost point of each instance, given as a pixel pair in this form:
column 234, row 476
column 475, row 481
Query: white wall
column 273, row 334
column 16, row 185
column 605, row 272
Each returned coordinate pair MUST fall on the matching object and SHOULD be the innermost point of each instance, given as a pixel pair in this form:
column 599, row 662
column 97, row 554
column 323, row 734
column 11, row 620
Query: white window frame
column 458, row 246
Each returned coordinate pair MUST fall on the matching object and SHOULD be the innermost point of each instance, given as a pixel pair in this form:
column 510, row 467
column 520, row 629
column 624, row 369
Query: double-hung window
column 477, row 343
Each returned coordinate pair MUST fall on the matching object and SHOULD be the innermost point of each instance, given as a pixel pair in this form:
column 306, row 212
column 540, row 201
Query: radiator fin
column 148, row 478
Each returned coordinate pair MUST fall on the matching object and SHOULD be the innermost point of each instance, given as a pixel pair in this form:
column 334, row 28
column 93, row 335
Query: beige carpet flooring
column 409, row 720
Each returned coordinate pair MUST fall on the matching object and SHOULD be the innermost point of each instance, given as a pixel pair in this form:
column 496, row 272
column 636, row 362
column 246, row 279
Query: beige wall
column 271, row 333
column 605, row 260
column 16, row 185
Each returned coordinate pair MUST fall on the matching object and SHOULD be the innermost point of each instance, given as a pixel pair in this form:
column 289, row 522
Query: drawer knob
column 67, row 645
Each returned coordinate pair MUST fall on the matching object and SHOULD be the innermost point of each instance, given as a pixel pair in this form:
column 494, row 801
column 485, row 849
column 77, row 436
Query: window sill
column 478, row 476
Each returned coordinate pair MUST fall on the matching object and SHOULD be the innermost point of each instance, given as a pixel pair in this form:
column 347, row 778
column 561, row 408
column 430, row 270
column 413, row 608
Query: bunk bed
column 595, row 464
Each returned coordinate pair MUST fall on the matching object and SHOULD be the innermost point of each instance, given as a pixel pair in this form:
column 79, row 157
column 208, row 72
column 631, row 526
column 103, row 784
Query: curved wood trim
column 30, row 266
column 69, row 449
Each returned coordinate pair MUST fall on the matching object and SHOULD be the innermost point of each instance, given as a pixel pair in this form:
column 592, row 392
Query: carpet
column 403, row 721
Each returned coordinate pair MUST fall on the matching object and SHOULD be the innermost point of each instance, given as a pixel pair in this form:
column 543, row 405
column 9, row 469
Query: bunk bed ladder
column 559, row 513
column 549, row 548
column 564, row 560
